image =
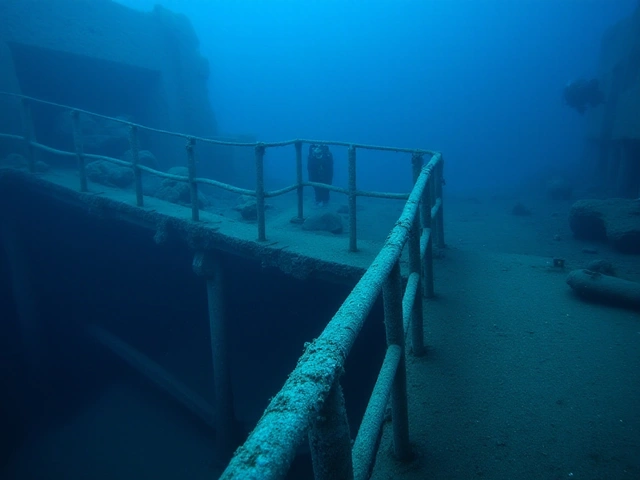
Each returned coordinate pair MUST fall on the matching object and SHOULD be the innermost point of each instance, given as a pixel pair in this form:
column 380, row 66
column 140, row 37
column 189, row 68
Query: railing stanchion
column 392, row 299
column 193, row 185
column 415, row 265
column 262, row 234
column 299, row 180
column 428, row 201
column 438, row 193
column 353, row 239
column 209, row 265
column 330, row 439
column 135, row 160
column 77, row 141
column 27, row 125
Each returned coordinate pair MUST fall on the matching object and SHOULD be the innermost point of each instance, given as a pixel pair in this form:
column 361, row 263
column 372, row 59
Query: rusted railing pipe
column 427, row 223
column 392, row 299
column 415, row 266
column 330, row 440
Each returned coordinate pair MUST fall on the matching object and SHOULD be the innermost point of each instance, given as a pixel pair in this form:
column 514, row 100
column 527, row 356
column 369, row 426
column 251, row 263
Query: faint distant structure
column 613, row 128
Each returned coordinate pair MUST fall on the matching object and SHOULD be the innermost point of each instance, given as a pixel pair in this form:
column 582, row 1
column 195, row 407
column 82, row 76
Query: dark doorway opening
column 100, row 86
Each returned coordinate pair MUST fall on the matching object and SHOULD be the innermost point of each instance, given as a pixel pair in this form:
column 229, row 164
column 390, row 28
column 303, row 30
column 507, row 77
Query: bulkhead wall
column 101, row 56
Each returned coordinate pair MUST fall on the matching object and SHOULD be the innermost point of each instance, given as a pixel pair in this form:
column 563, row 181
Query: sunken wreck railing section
column 193, row 180
column 311, row 402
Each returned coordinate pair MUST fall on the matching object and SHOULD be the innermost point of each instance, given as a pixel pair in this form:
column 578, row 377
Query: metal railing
column 192, row 179
column 311, row 402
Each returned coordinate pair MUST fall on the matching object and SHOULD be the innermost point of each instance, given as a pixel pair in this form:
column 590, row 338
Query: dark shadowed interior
column 82, row 272
column 100, row 86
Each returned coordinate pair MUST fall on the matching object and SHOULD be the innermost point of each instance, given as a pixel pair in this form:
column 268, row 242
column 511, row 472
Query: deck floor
column 295, row 251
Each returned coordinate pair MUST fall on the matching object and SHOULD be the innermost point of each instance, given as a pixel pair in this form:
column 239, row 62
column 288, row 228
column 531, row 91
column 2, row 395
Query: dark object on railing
column 604, row 288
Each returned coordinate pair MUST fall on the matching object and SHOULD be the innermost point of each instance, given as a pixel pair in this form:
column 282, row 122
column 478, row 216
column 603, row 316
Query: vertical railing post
column 260, row 149
column 209, row 266
column 427, row 204
column 353, row 239
column 78, row 143
column 135, row 161
column 299, row 180
column 330, row 439
column 415, row 266
column 193, row 185
column 439, row 182
column 27, row 125
column 392, row 299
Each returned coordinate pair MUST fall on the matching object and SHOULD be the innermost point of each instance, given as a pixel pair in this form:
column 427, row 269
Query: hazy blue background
column 479, row 80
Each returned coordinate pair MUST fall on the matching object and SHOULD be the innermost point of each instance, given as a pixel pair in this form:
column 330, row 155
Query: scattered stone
column 520, row 210
column 248, row 207
column 344, row 209
column 15, row 160
column 558, row 262
column 601, row 266
column 559, row 189
column 146, row 158
column 178, row 192
column 327, row 222
column 109, row 174
column 616, row 220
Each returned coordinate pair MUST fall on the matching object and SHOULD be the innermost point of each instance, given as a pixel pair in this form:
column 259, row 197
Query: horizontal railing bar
column 55, row 151
column 9, row 136
column 282, row 191
column 364, row 451
column 224, row 142
column 224, row 186
column 215, row 183
column 271, row 446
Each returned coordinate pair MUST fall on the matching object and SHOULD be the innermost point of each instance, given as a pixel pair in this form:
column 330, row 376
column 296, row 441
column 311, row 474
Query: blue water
column 479, row 80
